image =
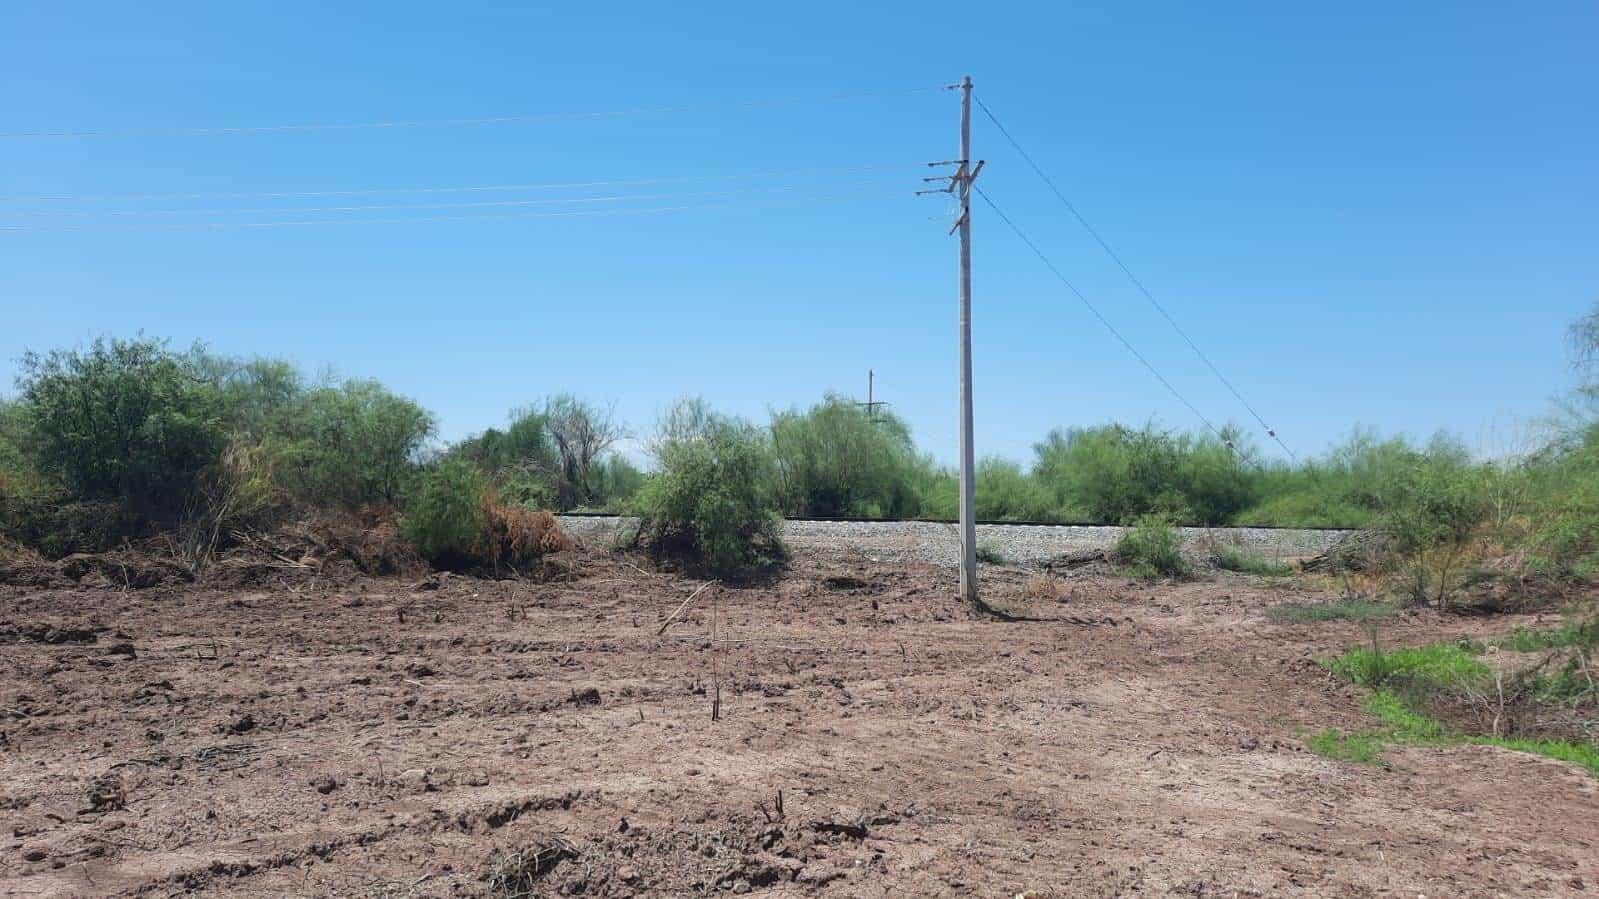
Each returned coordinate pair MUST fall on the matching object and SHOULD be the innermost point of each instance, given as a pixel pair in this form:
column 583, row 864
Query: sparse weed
column 1352, row 747
column 1583, row 754
column 1577, row 633
column 1342, row 610
column 1152, row 548
column 991, row 553
column 1444, row 664
column 1248, row 561
column 1402, row 722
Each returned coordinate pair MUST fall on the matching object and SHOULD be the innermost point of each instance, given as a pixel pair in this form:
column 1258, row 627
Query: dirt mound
column 746, row 854
column 54, row 633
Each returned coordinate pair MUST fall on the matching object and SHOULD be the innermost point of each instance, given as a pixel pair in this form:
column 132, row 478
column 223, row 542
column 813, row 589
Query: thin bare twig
column 672, row 617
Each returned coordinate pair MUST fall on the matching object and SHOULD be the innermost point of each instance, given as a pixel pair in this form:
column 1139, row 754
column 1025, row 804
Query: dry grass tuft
column 1043, row 586
column 12, row 551
column 515, row 873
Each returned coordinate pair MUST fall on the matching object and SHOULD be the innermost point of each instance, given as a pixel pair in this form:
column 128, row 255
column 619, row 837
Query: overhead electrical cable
column 364, row 207
column 456, row 122
column 474, row 188
column 291, row 223
column 1148, row 295
column 1097, row 314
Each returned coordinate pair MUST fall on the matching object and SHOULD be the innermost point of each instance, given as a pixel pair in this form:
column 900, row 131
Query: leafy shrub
column 349, row 445
column 1115, row 473
column 58, row 526
column 555, row 456
column 455, row 523
column 18, row 478
column 1432, row 510
column 614, row 481
column 1564, row 539
column 445, row 519
column 1344, row 489
column 130, row 422
column 711, row 503
column 257, row 394
column 1152, row 548
column 520, row 461
column 581, row 434
column 1005, row 493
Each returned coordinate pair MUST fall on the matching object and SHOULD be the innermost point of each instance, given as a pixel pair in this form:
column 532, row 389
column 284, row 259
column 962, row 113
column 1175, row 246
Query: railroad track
column 1020, row 542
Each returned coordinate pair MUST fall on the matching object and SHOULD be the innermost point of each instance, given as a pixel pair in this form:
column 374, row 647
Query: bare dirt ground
column 381, row 737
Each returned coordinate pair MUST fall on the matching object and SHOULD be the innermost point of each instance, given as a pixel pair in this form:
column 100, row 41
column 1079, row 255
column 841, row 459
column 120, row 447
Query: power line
column 217, row 226
column 458, row 122
column 546, row 201
column 476, row 188
column 1095, row 310
column 1134, row 278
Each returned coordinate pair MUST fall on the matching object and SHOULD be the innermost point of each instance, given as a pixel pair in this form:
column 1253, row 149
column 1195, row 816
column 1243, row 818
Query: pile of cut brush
column 340, row 546
column 364, row 543
column 148, row 563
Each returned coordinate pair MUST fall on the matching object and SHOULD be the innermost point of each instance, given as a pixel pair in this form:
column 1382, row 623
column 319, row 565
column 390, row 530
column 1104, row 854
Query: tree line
column 128, row 437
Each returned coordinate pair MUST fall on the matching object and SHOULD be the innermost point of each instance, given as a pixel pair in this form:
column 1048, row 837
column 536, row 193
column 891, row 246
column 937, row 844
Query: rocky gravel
column 939, row 543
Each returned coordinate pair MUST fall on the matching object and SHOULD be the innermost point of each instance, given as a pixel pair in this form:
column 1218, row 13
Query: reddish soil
column 380, row 737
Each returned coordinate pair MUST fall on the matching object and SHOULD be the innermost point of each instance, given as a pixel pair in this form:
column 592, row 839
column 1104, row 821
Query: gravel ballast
column 939, row 543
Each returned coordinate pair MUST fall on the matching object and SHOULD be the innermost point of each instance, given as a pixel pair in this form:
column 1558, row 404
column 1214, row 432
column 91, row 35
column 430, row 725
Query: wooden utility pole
column 968, row 499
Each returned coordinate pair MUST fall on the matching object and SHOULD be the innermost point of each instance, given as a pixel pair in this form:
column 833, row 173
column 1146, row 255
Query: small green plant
column 1403, row 723
column 1247, row 561
column 1341, row 610
column 991, row 553
column 1152, row 548
column 1584, row 754
column 1576, row 633
column 1407, row 684
column 1352, row 747
column 1445, row 664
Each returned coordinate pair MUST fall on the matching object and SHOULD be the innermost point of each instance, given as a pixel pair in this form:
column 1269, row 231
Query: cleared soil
column 384, row 737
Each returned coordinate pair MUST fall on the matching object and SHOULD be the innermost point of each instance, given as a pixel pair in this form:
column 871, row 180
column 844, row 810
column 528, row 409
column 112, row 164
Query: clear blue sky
column 1365, row 212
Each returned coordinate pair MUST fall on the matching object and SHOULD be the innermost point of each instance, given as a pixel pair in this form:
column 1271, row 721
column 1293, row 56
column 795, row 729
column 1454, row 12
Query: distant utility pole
column 960, row 184
column 871, row 404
